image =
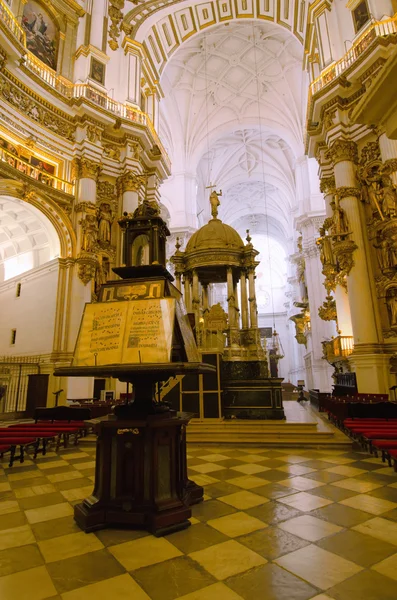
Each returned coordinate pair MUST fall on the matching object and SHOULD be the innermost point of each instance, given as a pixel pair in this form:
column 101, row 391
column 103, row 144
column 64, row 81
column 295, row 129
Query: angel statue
column 214, row 201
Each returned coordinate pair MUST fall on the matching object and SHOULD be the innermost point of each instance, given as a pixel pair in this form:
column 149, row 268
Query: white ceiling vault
column 27, row 238
column 232, row 114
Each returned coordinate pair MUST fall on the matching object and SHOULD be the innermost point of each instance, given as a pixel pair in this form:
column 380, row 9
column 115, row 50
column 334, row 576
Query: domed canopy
column 215, row 235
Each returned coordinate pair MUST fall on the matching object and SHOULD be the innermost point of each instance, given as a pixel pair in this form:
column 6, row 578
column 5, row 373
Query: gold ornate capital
column 342, row 150
column 85, row 168
column 346, row 192
column 327, row 185
column 130, row 182
column 391, row 165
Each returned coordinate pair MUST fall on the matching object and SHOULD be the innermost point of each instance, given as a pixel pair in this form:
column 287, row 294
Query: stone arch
column 55, row 215
column 161, row 30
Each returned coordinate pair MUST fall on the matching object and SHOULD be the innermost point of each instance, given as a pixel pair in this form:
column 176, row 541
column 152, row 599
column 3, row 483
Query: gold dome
column 215, row 235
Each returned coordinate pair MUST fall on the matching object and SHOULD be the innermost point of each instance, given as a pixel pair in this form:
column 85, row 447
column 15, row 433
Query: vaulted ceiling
column 233, row 114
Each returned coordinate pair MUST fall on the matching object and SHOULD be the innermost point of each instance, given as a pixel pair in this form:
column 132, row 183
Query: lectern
column 139, row 333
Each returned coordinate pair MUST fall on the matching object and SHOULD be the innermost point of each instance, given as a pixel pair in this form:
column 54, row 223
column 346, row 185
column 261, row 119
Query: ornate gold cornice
column 347, row 192
column 327, row 185
column 343, row 150
column 85, row 168
column 34, row 107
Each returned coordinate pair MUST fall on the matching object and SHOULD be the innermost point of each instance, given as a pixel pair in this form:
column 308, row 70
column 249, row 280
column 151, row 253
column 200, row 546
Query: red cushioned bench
column 393, row 457
column 40, row 436
column 12, row 442
column 45, row 432
column 384, row 446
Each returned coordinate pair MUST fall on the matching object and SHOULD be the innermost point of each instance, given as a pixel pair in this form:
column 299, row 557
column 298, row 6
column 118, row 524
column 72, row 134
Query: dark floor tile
column 273, row 475
column 368, row 466
column 315, row 464
column 270, row 582
column 21, row 483
column 83, row 570
column 324, row 476
column 57, row 470
column 195, row 538
column 111, row 537
column 54, row 528
column 12, row 520
column 362, row 549
column 41, row 500
column 367, row 585
column 230, row 462
column 222, row 474
column 272, row 542
column 273, row 463
column 273, row 512
column 223, row 488
column 332, row 492
column 13, row 560
column 341, row 515
column 182, row 575
column 212, row 509
column 392, row 515
column 22, row 469
column 374, row 477
column 386, row 493
column 192, row 462
column 71, row 484
column 274, row 491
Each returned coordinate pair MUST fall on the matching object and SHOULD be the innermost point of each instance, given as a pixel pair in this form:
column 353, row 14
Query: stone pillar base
column 372, row 371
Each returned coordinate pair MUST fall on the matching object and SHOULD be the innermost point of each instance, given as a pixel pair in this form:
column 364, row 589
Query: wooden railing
column 35, row 172
column 343, row 346
column 375, row 30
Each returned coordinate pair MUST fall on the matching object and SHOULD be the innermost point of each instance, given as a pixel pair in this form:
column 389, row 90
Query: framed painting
column 97, row 71
column 42, row 33
column 361, row 16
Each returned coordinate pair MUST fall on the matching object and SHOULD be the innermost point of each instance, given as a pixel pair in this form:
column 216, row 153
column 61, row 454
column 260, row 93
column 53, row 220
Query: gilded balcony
column 338, row 349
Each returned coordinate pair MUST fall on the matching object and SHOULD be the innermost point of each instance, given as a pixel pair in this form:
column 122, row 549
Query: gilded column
column 205, row 298
column 85, row 172
column 244, row 301
column 196, row 296
column 328, row 188
column 350, row 246
column 252, row 299
column 236, row 307
column 230, row 298
column 187, row 294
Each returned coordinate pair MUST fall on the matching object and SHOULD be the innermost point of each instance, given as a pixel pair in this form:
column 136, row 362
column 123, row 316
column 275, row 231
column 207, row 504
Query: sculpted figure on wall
column 392, row 305
column 105, row 220
column 378, row 190
column 89, row 236
column 340, row 225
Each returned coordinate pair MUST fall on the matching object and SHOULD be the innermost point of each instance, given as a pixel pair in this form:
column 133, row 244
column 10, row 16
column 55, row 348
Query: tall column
column 244, row 301
column 252, row 298
column 196, row 296
column 205, row 298
column 230, row 298
column 178, row 281
column 187, row 294
column 327, row 187
column 236, row 308
column 368, row 363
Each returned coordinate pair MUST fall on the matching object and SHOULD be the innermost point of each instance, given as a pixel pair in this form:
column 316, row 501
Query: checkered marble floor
column 275, row 525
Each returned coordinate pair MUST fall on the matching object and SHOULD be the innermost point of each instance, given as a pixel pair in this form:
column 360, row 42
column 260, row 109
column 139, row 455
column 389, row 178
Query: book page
column 148, row 335
column 101, row 334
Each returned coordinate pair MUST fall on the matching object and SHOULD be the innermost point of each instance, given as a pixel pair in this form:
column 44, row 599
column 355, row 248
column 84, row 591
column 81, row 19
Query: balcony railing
column 338, row 348
column 375, row 30
column 8, row 19
column 78, row 90
column 35, row 172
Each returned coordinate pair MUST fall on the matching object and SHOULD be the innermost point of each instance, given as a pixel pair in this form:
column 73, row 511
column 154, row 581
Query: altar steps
column 264, row 433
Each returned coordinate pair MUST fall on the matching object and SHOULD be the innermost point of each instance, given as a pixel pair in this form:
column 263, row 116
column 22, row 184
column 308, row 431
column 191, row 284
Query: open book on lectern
column 125, row 333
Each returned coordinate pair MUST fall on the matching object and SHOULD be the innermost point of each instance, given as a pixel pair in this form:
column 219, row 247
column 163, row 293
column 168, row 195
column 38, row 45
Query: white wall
column 32, row 314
